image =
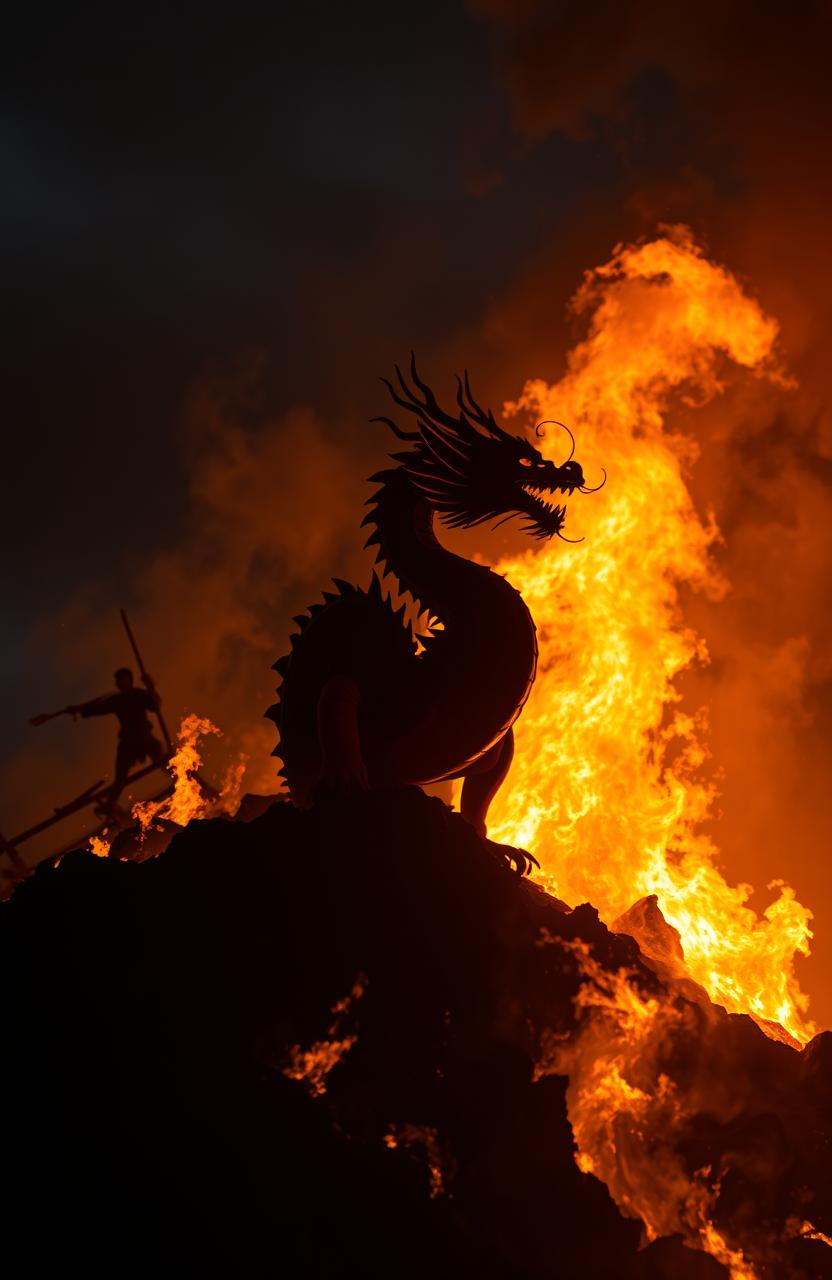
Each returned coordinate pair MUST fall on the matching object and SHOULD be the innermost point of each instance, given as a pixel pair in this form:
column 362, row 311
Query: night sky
column 220, row 230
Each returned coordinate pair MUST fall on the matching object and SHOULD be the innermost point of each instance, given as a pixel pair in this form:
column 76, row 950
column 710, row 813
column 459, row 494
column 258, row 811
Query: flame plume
column 188, row 801
column 604, row 786
column 627, row 1114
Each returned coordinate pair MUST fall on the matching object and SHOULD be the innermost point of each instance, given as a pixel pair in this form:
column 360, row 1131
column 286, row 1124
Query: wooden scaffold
column 95, row 795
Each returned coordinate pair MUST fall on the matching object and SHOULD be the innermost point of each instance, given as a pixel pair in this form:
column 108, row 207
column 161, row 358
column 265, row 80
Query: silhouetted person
column 136, row 740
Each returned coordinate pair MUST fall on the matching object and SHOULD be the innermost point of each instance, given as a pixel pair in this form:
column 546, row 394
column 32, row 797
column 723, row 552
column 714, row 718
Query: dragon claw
column 519, row 860
column 522, row 861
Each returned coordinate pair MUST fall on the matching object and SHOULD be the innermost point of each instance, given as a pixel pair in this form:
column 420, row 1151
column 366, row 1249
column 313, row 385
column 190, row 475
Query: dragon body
column 361, row 702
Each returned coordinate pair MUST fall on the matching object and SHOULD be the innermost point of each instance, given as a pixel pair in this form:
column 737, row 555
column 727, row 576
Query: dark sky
column 181, row 188
column 219, row 231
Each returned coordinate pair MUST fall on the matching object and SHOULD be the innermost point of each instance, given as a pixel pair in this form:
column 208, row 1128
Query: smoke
column 271, row 514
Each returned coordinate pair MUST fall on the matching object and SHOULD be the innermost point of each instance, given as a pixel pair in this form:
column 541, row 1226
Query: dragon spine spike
column 345, row 588
column 301, row 620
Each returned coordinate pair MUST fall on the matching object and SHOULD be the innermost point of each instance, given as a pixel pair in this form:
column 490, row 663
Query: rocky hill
column 316, row 1043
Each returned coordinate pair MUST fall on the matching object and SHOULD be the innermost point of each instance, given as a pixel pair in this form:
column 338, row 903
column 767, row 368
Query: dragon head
column 472, row 471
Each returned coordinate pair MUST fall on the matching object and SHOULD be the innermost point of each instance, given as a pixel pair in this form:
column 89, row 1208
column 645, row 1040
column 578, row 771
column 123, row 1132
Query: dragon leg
column 481, row 785
column 479, row 789
column 342, row 762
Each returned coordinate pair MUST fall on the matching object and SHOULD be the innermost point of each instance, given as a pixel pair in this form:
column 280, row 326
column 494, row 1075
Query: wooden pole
column 143, row 672
column 87, row 798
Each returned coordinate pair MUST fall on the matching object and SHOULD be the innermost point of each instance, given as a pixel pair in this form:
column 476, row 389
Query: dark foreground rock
column 169, row 1022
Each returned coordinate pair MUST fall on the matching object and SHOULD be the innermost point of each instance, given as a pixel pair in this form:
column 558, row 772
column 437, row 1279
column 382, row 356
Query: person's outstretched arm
column 95, row 707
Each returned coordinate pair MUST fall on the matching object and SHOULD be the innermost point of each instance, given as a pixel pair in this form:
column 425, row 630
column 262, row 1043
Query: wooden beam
column 87, row 798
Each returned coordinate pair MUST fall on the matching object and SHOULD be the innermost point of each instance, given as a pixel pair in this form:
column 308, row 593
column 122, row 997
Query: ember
column 313, row 1065
column 423, row 1138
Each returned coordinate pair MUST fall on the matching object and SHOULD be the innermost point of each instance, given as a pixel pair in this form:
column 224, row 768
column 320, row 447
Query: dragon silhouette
column 364, row 701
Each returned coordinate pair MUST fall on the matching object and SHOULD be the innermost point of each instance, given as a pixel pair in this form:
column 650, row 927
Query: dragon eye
column 525, row 462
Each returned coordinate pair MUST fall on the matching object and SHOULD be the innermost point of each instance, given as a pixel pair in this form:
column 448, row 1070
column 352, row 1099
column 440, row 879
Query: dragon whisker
column 586, row 489
column 553, row 422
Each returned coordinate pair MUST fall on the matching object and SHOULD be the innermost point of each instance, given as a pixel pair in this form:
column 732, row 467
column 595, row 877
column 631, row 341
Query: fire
column 627, row 1114
column 604, row 786
column 806, row 1231
column 312, row 1066
column 189, row 799
column 423, row 1138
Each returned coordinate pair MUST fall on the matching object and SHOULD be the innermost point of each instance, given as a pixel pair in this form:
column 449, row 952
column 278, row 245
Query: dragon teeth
column 551, row 509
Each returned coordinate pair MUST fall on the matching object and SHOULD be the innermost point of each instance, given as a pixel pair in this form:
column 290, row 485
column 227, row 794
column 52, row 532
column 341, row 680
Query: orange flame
column 312, row 1066
column 626, row 1113
column 422, row 1138
column 604, row 785
column 807, row 1231
column 189, row 800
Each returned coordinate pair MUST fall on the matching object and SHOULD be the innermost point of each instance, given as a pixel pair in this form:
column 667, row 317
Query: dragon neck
column 401, row 523
column 486, row 650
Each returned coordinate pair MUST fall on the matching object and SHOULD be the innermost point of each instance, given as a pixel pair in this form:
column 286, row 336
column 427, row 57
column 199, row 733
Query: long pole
column 143, row 673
